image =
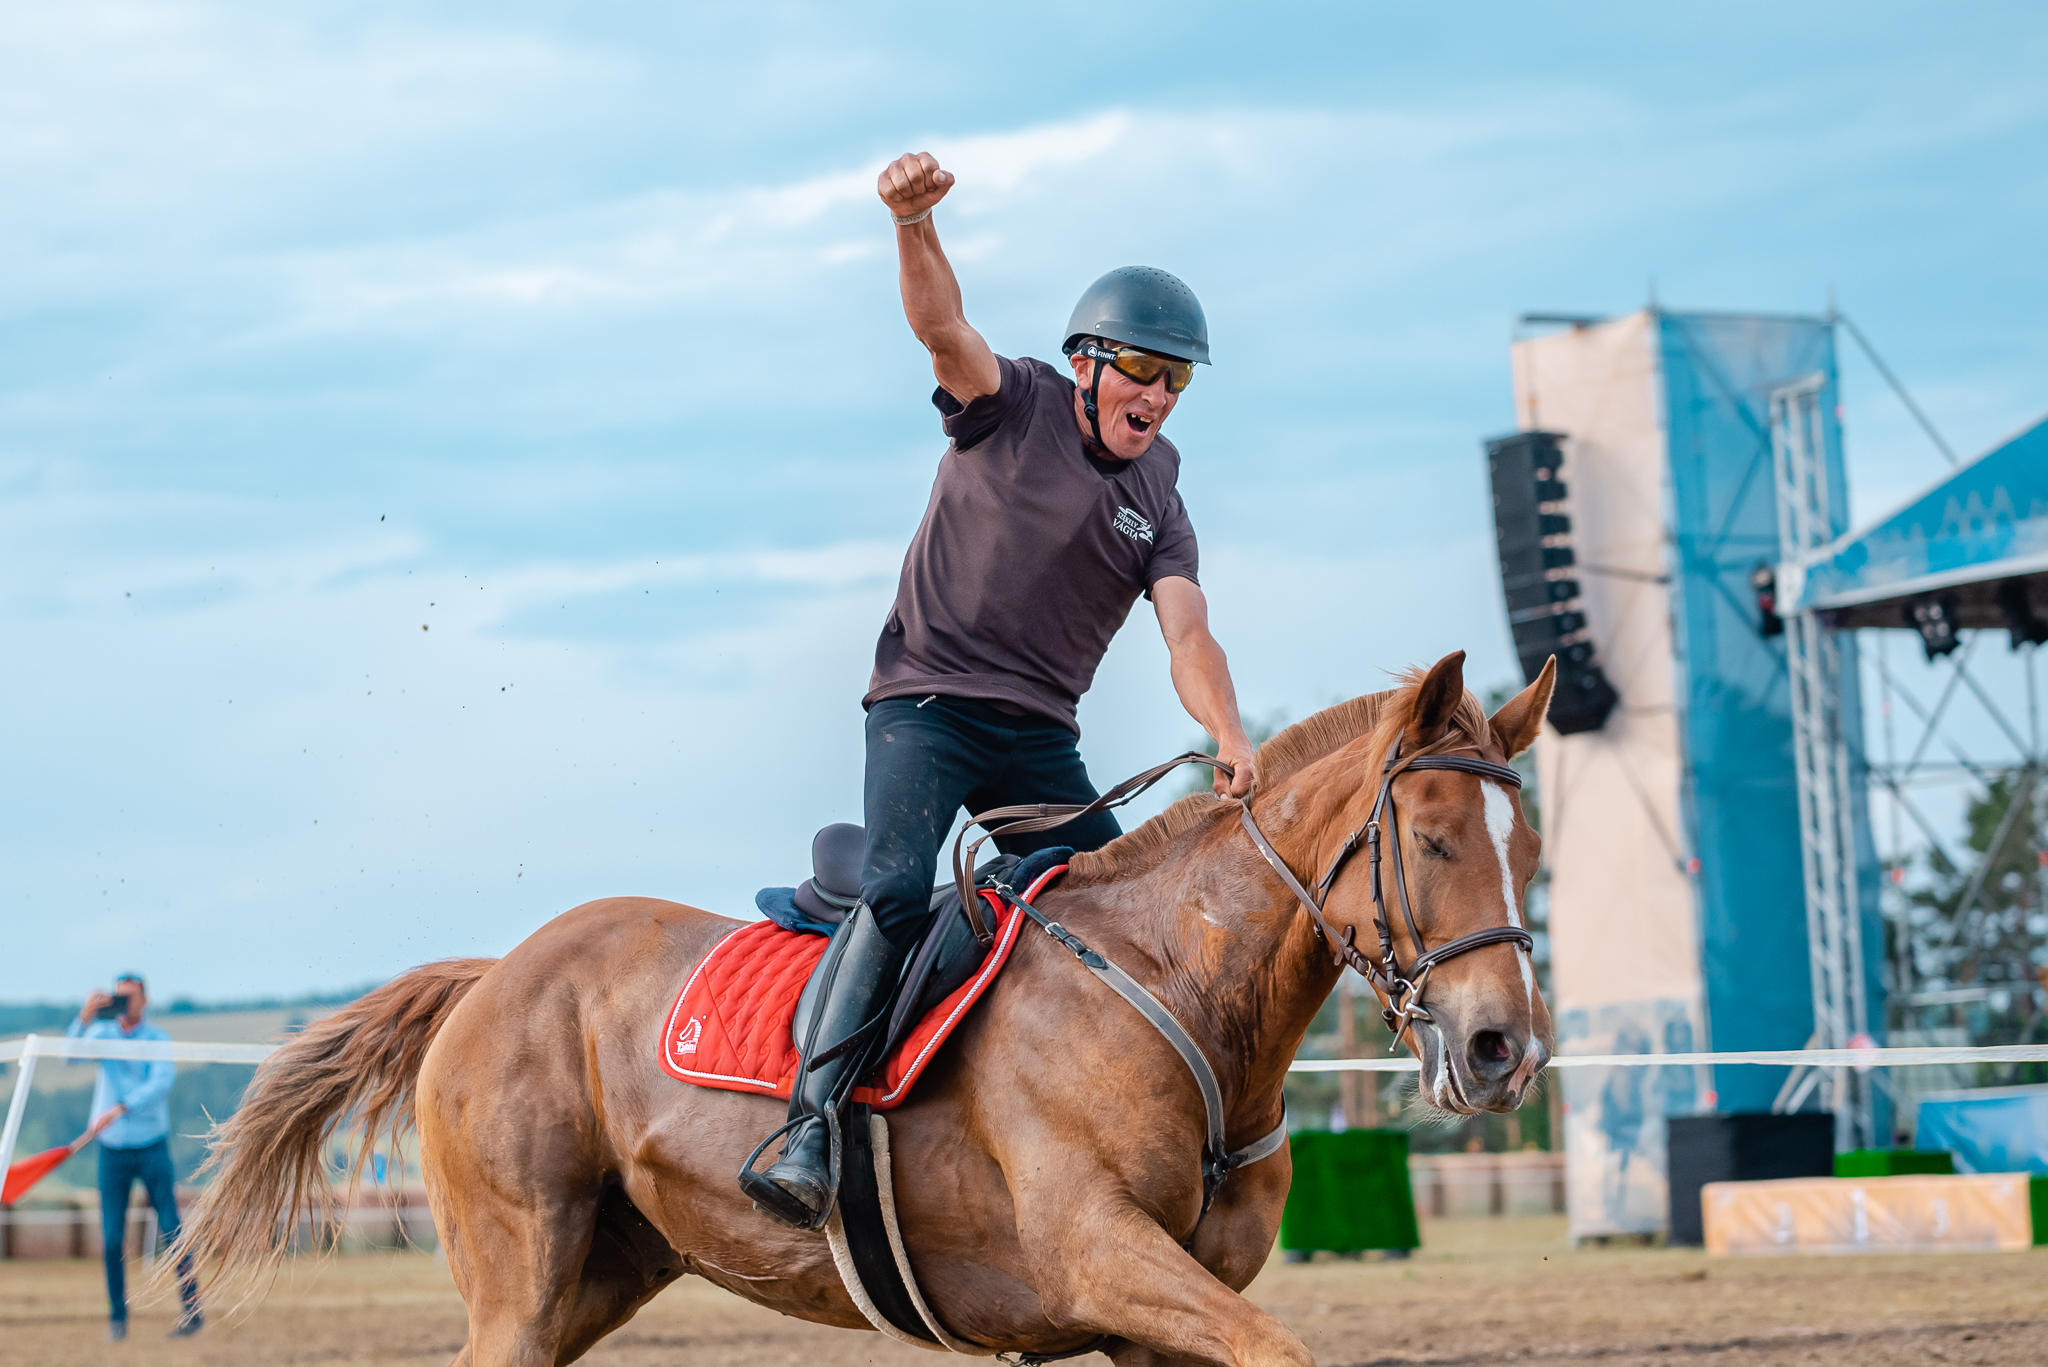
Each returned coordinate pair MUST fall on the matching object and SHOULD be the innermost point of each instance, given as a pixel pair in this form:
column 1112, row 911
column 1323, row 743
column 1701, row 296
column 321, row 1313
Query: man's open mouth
column 1138, row 424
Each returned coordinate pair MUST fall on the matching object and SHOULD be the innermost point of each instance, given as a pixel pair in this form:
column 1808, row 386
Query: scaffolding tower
column 1818, row 660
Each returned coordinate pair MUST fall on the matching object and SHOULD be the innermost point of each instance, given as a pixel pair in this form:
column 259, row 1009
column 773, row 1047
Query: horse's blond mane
column 1289, row 752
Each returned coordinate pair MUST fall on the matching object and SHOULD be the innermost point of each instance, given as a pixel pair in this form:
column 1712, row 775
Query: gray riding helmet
column 1142, row 306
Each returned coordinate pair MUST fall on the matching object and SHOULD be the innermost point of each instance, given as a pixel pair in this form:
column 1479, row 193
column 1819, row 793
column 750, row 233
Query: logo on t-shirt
column 1132, row 525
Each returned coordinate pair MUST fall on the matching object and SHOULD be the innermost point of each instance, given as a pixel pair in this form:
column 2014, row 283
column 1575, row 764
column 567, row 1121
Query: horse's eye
column 1432, row 847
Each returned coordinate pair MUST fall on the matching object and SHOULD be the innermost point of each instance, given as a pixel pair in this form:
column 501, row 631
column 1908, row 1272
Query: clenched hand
column 1238, row 754
column 912, row 184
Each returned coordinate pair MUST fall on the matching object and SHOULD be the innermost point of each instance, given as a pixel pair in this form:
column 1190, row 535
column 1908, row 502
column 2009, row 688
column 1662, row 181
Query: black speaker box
column 1740, row 1148
column 1532, row 533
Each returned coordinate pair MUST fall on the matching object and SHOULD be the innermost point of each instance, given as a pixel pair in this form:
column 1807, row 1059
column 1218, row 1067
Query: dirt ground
column 1479, row 1292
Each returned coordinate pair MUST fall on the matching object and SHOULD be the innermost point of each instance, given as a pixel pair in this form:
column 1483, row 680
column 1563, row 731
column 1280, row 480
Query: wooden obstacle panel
column 1912, row 1214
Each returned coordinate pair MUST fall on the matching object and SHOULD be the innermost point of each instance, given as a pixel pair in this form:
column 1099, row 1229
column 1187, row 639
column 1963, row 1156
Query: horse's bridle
column 1402, row 988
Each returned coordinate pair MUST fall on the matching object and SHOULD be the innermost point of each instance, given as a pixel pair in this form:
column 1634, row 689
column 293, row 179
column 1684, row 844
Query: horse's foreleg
column 1125, row 1354
column 1114, row 1270
column 1233, row 1242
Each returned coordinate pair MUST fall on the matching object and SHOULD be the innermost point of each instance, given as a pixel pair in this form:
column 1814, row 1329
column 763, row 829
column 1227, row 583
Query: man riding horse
column 1055, row 507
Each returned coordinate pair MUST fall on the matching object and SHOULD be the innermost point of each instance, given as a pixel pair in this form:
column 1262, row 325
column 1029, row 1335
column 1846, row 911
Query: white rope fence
column 32, row 1047
column 26, row 1051
column 145, row 1050
column 1861, row 1059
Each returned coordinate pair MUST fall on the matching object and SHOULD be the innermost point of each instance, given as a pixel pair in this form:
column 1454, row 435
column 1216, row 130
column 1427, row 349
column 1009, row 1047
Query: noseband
column 1401, row 987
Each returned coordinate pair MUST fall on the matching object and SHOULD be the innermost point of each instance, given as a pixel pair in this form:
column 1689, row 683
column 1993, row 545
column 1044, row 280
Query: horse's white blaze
column 1500, row 824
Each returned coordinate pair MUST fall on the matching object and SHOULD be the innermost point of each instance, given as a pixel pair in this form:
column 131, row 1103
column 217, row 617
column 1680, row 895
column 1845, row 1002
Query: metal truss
column 1898, row 778
column 1814, row 658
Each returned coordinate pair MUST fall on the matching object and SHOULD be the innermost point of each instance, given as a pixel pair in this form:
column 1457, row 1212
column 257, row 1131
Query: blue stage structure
column 1672, row 523
column 1970, row 553
column 1741, row 790
column 1694, row 903
column 1978, row 537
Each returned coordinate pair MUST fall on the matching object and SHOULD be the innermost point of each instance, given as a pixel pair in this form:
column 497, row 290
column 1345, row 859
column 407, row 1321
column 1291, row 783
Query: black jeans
column 926, row 761
column 120, row 1170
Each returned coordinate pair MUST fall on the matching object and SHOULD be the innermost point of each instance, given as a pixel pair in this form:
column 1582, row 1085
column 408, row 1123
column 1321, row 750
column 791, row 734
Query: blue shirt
column 144, row 1088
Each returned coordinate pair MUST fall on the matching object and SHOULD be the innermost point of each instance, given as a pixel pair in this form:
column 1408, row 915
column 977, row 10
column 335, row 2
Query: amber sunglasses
column 1143, row 366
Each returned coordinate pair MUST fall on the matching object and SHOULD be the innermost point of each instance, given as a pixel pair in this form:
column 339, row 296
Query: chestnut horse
column 1055, row 1143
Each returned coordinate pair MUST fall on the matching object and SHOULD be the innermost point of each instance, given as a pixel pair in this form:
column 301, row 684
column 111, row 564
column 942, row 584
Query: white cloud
column 604, row 350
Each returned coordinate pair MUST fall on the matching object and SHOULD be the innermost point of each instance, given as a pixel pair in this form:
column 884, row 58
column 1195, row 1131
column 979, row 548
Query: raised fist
column 912, row 184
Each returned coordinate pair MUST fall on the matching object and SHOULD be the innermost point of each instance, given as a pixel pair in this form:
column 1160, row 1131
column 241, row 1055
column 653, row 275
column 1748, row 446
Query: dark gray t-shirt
column 1030, row 553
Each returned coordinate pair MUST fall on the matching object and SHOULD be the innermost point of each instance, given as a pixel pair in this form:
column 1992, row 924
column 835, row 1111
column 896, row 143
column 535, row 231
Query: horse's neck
column 1234, row 957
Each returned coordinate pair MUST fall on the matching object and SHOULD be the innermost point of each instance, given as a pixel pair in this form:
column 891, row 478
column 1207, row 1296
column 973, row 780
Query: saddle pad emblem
column 730, row 1026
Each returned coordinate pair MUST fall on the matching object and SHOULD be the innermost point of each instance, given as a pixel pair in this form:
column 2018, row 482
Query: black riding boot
column 850, row 987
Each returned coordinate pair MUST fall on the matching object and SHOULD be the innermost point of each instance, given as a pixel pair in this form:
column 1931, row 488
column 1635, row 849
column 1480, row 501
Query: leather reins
column 1044, row 816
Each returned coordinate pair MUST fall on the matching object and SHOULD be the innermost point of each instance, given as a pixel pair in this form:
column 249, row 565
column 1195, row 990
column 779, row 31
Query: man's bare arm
column 911, row 185
column 1201, row 675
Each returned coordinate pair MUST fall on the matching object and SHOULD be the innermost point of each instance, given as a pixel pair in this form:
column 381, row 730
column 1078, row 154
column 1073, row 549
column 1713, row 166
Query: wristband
column 914, row 218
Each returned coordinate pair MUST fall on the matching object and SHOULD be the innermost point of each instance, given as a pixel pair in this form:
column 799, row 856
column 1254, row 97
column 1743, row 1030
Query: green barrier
column 1894, row 1163
column 1351, row 1193
column 2037, row 1198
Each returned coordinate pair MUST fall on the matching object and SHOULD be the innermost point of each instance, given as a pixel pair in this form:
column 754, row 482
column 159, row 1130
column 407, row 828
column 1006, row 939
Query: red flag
column 29, row 1171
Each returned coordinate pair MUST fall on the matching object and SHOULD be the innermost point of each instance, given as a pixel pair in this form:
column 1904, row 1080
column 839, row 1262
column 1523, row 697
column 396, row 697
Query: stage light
column 1764, row 580
column 2026, row 628
column 1935, row 619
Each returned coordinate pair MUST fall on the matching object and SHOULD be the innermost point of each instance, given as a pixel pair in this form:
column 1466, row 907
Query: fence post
column 1357, row 1090
column 16, row 1104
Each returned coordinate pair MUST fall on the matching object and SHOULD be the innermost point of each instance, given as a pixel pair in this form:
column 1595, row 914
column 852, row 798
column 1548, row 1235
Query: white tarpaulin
column 1623, row 929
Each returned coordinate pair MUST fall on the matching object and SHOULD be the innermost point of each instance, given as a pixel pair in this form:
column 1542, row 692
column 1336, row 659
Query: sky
column 455, row 459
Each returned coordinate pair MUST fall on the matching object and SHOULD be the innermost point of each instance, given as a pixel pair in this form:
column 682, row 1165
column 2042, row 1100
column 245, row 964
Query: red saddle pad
column 730, row 1026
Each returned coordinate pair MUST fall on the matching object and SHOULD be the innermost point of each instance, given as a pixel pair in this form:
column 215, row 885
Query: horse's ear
column 1443, row 688
column 1521, row 717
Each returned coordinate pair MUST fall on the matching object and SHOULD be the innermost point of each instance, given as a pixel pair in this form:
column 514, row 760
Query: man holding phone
column 131, row 1107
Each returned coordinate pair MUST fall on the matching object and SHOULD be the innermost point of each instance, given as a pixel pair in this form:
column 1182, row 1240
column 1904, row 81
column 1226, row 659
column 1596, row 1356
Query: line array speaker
column 1532, row 529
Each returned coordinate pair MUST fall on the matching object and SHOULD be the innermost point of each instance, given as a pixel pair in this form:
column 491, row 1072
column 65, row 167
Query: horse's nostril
column 1492, row 1046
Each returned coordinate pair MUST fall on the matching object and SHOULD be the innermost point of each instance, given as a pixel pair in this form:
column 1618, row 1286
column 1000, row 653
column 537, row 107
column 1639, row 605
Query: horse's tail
column 356, row 1068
